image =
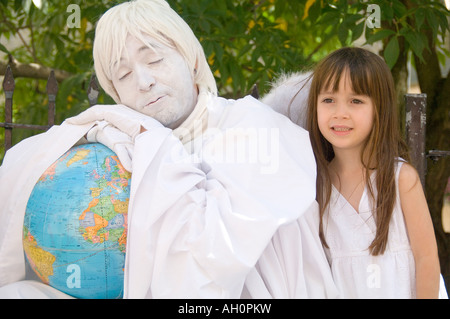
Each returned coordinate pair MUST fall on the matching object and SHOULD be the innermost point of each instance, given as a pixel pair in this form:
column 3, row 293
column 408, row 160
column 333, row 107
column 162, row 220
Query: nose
column 341, row 110
column 145, row 79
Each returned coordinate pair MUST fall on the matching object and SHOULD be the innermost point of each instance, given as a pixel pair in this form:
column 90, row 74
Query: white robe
column 237, row 209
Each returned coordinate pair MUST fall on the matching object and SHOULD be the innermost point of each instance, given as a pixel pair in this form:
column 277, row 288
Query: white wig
column 154, row 18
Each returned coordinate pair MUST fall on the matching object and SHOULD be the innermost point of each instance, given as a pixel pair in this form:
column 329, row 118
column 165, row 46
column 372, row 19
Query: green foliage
column 246, row 42
column 46, row 39
column 409, row 24
column 347, row 20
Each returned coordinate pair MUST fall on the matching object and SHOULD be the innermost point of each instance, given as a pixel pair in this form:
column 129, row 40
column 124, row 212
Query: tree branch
column 32, row 70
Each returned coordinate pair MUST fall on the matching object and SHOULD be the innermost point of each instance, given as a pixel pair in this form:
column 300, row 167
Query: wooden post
column 93, row 90
column 255, row 92
column 52, row 89
column 416, row 120
column 8, row 87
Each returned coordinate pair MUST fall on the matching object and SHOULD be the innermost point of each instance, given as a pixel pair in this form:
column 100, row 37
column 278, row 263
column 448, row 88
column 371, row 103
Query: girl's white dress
column 356, row 272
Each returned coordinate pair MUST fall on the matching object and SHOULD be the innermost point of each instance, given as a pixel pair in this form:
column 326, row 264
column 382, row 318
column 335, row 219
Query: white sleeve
column 21, row 168
column 198, row 225
column 29, row 289
column 294, row 264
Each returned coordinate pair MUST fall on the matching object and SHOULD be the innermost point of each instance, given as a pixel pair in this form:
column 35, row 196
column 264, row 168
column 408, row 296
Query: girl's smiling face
column 345, row 118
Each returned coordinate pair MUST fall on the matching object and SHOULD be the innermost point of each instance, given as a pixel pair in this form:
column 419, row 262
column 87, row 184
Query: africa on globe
column 75, row 226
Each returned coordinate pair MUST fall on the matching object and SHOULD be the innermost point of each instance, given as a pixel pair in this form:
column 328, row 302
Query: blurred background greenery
column 247, row 43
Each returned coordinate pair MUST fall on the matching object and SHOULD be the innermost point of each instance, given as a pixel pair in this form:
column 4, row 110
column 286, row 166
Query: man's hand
column 122, row 117
column 116, row 127
column 115, row 140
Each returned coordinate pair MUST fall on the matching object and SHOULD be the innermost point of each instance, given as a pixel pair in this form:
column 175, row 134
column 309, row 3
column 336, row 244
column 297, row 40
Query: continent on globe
column 40, row 260
column 75, row 226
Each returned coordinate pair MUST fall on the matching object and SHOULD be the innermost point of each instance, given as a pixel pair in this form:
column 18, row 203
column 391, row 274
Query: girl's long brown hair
column 369, row 76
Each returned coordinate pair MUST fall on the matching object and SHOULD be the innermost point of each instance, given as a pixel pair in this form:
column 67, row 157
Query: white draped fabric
column 230, row 213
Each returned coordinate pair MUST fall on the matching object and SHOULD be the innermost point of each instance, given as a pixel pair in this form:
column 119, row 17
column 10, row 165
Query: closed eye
column 124, row 76
column 157, row 61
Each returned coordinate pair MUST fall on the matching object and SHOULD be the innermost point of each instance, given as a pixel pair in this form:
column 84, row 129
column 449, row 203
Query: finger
column 92, row 114
column 124, row 157
column 91, row 135
column 109, row 113
column 124, row 123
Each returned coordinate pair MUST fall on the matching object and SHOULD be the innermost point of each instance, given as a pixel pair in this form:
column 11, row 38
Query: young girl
column 375, row 223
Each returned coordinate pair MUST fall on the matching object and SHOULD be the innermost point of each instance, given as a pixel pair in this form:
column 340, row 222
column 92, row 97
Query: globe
column 75, row 226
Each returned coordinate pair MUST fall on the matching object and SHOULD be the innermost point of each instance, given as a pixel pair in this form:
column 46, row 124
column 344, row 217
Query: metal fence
column 52, row 90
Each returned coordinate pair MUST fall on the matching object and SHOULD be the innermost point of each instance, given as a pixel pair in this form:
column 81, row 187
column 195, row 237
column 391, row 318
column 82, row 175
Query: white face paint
column 155, row 81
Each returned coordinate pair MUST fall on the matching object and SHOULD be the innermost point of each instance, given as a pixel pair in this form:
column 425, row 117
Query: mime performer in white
column 222, row 200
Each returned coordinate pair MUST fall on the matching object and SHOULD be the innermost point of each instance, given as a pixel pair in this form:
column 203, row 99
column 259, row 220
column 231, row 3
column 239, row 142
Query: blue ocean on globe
column 75, row 226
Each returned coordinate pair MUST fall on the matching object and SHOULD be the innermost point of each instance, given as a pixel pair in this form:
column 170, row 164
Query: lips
column 341, row 129
column 155, row 101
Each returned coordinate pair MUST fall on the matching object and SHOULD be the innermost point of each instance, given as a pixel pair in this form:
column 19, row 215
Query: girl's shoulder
column 408, row 177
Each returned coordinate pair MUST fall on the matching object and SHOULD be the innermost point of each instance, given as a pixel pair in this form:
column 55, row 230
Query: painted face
column 155, row 80
column 345, row 119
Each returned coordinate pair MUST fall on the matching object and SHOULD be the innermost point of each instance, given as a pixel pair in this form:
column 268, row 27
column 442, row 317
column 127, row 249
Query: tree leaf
column 416, row 42
column 399, row 8
column 419, row 17
column 4, row 49
column 391, row 52
column 380, row 35
column 315, row 11
column 308, row 5
column 432, row 21
column 342, row 34
column 358, row 30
